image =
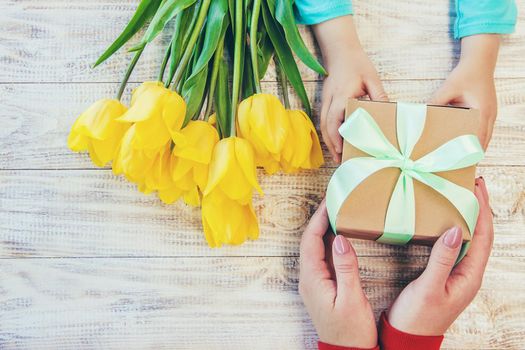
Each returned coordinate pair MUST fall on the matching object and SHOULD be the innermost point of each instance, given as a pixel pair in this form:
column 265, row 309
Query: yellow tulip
column 302, row 149
column 227, row 211
column 134, row 163
column 158, row 174
column 226, row 221
column 97, row 131
column 191, row 159
column 158, row 114
column 159, row 178
column 262, row 120
column 232, row 170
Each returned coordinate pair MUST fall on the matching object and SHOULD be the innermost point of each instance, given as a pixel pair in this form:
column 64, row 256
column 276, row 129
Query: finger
column 488, row 118
column 312, row 248
column 328, row 239
column 442, row 258
column 346, row 269
column 443, row 96
column 375, row 89
column 335, row 117
column 474, row 263
column 324, row 130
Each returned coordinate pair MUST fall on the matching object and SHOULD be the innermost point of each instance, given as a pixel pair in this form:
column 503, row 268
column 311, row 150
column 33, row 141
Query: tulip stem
column 203, row 12
column 164, row 63
column 128, row 73
column 284, row 82
column 213, row 79
column 236, row 84
column 253, row 44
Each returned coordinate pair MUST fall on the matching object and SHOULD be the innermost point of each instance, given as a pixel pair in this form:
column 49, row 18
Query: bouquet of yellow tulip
column 199, row 132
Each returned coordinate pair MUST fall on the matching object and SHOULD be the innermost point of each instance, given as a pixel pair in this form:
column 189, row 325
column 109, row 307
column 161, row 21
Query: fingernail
column 341, row 245
column 453, row 237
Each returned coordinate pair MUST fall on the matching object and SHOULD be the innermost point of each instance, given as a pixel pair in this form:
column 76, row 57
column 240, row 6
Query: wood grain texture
column 87, row 262
column 58, row 41
column 215, row 303
column 93, row 213
column 37, row 118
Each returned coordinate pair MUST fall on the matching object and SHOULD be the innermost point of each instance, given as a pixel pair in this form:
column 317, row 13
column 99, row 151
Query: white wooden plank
column 93, row 213
column 37, row 117
column 215, row 303
column 58, row 41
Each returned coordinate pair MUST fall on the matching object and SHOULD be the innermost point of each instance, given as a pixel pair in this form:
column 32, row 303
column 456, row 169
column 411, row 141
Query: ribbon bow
column 361, row 130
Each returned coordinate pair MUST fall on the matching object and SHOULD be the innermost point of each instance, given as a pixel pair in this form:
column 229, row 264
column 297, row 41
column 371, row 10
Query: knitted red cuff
column 391, row 338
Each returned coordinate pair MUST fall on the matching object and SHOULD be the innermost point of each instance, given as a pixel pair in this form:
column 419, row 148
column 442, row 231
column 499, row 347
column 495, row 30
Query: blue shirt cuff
column 484, row 28
column 323, row 12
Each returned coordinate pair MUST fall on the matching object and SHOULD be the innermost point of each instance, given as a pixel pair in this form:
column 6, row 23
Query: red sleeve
column 394, row 339
column 325, row 346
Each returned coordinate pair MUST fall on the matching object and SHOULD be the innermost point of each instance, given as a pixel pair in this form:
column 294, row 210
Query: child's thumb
column 443, row 257
column 375, row 89
column 345, row 266
column 443, row 96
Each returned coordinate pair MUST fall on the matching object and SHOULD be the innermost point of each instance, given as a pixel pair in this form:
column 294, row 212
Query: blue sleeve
column 484, row 16
column 317, row 11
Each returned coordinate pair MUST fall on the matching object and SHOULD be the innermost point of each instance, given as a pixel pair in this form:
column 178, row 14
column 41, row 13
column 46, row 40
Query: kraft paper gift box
column 361, row 211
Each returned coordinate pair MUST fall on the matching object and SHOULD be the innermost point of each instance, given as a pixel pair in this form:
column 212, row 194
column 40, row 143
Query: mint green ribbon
column 361, row 130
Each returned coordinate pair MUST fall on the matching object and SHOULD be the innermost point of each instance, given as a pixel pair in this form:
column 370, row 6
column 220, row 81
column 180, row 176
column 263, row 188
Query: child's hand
column 350, row 74
column 337, row 305
column 431, row 303
column 471, row 83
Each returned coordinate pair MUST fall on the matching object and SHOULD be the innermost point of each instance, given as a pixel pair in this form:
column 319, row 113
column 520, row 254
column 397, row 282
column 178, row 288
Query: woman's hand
column 337, row 305
column 431, row 303
column 471, row 83
column 350, row 74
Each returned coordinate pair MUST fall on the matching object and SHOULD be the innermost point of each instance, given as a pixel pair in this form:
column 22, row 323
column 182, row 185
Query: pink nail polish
column 341, row 245
column 453, row 237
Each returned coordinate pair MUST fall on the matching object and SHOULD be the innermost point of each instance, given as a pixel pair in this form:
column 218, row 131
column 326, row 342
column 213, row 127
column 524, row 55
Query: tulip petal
column 226, row 221
column 77, row 142
column 199, row 138
column 169, row 195
column 245, row 158
column 173, row 112
column 94, row 157
column 192, row 197
column 262, row 120
column 223, row 157
column 146, row 105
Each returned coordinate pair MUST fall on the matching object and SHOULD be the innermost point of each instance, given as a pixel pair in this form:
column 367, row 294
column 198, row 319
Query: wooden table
column 87, row 262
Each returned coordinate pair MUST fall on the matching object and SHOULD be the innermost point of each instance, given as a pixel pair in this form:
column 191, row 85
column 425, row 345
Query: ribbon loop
column 361, row 130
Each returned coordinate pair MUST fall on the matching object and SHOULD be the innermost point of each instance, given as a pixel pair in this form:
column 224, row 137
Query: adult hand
column 431, row 303
column 339, row 309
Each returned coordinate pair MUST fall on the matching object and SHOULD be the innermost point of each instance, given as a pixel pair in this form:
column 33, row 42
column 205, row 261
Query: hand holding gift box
column 373, row 195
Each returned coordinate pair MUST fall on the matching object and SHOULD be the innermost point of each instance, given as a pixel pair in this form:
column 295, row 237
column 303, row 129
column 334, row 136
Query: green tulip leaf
column 143, row 13
column 194, row 86
column 223, row 99
column 167, row 11
column 217, row 18
column 248, row 85
column 284, row 15
column 285, row 56
column 184, row 22
column 265, row 51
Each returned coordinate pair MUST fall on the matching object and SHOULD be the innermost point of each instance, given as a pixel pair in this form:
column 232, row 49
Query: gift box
column 407, row 172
